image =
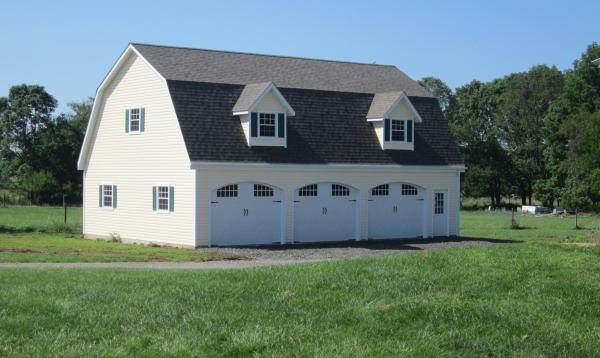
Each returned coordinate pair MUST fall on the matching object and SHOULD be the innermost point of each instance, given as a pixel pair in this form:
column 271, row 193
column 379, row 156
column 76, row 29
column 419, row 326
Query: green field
column 536, row 296
column 38, row 234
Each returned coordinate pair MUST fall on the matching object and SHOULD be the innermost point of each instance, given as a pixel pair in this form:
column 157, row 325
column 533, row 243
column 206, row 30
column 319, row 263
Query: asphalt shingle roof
column 198, row 65
column 329, row 127
column 249, row 95
column 381, row 103
column 331, row 100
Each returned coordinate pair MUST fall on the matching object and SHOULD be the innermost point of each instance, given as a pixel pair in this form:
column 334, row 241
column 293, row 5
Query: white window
column 398, row 130
column 134, row 120
column 263, row 190
column 439, row 203
column 408, row 189
column 381, row 190
column 339, row 190
column 162, row 198
column 228, row 191
column 308, row 190
column 107, row 196
column 267, row 125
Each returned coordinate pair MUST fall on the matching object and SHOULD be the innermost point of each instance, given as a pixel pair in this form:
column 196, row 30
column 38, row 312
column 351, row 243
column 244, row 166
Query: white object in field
column 535, row 210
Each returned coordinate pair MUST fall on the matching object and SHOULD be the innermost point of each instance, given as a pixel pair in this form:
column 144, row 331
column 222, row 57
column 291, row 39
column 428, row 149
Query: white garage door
column 246, row 214
column 396, row 211
column 324, row 212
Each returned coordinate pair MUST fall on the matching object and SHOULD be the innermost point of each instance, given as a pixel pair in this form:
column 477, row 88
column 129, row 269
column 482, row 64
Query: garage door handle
column 352, row 200
column 371, row 200
column 277, row 201
column 214, row 202
column 296, row 201
column 324, row 211
column 395, row 209
column 245, row 213
column 420, row 199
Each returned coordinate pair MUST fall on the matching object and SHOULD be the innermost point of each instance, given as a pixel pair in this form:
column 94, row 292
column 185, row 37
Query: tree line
column 39, row 148
column 534, row 134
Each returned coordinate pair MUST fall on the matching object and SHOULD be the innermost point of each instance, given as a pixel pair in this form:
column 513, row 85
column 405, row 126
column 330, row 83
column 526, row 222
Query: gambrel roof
column 331, row 101
column 199, row 65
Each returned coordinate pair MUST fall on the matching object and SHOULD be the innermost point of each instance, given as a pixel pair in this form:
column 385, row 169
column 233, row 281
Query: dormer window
column 263, row 113
column 267, row 126
column 393, row 117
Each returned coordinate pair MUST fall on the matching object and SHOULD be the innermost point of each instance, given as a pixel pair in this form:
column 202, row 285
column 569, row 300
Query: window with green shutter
column 135, row 121
column 253, row 124
column 163, row 198
column 281, row 125
column 107, row 196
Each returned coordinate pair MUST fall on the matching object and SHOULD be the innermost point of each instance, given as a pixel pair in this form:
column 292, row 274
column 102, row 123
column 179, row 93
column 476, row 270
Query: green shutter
column 409, row 131
column 253, row 124
column 114, row 196
column 142, row 119
column 100, row 195
column 154, row 198
column 171, row 198
column 281, row 125
column 386, row 130
column 126, row 121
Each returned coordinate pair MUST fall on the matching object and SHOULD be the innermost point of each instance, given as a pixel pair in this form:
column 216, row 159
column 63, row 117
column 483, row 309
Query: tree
column 580, row 97
column 439, row 89
column 23, row 114
column 58, row 149
column 525, row 100
column 473, row 120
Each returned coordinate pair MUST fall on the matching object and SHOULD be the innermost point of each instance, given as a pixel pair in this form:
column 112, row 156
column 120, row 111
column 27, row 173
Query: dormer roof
column 384, row 104
column 253, row 93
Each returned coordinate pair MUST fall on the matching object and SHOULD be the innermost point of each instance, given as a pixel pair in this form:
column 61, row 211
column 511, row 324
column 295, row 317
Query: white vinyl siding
column 302, row 176
column 139, row 162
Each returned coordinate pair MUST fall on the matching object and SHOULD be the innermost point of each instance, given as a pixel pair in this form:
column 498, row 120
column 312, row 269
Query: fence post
column 65, row 207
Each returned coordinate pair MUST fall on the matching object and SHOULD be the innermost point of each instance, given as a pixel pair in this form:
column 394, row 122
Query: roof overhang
column 402, row 97
column 245, row 109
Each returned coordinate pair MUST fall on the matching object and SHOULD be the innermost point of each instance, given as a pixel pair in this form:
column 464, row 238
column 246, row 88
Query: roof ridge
column 262, row 54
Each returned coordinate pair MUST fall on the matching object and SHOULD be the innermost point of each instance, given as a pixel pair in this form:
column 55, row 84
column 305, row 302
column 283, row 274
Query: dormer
column 263, row 113
column 393, row 117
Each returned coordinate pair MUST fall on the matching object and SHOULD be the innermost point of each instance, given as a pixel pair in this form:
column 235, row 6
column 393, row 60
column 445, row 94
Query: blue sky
column 69, row 46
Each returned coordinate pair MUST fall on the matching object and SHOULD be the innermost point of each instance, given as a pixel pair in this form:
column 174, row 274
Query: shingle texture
column 381, row 103
column 329, row 127
column 185, row 64
column 249, row 95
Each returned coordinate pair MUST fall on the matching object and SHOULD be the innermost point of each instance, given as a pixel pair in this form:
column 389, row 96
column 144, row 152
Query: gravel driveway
column 318, row 252
column 279, row 255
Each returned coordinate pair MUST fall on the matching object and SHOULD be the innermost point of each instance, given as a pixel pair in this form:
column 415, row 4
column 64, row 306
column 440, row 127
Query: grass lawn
column 37, row 234
column 536, row 296
column 524, row 300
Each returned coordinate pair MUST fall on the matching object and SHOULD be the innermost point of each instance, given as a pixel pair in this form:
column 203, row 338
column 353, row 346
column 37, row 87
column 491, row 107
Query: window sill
column 162, row 212
column 135, row 133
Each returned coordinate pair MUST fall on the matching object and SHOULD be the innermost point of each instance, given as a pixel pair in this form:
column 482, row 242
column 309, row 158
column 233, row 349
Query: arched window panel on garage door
column 381, row 190
column 261, row 190
column 339, row 190
column 408, row 189
column 228, row 191
column 308, row 190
